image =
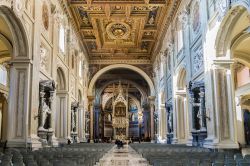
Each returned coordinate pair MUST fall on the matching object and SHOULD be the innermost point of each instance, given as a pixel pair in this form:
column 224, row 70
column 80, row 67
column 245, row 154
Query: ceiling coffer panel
column 121, row 29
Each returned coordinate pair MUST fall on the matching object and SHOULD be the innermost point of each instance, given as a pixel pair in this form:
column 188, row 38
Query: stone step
column 123, row 157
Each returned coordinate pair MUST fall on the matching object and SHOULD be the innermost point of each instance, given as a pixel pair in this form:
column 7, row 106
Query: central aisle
column 122, row 157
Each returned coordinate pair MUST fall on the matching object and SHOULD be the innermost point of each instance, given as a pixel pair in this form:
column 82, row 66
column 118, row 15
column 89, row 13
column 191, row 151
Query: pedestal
column 42, row 133
column 199, row 137
column 170, row 138
column 74, row 137
column 45, row 136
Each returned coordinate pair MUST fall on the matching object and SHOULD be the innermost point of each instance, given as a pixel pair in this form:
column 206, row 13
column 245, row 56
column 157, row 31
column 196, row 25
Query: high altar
column 120, row 116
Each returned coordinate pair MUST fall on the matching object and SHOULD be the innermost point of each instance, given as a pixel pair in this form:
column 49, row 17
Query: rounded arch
column 137, row 102
column 118, row 66
column 14, row 31
column 238, row 55
column 20, row 49
column 61, row 81
column 181, row 79
column 7, row 43
column 228, row 24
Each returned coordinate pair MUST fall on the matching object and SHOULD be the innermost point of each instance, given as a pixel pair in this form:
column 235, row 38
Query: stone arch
column 6, row 42
column 181, row 109
column 61, row 106
column 61, row 81
column 228, row 24
column 20, row 49
column 181, row 79
column 239, row 56
column 19, row 82
column 124, row 66
column 239, row 51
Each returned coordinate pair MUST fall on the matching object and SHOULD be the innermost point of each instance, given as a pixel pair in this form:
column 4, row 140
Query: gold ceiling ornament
column 119, row 27
column 118, row 30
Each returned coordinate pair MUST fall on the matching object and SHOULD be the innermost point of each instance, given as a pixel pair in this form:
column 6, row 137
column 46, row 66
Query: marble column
column 180, row 119
column 163, row 123
column 80, row 123
column 84, row 125
column 175, row 114
column 222, row 124
column 91, row 112
column 97, row 112
column 145, row 120
column 152, row 109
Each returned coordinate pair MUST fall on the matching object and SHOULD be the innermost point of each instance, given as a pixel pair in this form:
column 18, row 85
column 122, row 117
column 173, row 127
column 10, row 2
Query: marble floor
column 122, row 157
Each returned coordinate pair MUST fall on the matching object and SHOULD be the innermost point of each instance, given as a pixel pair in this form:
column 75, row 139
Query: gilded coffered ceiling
column 122, row 29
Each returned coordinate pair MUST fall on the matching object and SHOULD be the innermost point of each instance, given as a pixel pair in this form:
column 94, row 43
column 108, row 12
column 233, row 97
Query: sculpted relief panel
column 44, row 59
column 197, row 59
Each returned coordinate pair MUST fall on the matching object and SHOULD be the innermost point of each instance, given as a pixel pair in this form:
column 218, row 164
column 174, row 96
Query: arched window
column 62, row 39
column 3, row 75
column 60, row 80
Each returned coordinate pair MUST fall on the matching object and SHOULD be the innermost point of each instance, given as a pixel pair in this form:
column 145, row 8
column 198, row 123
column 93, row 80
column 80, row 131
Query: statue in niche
column 87, row 126
column 133, row 117
column 73, row 119
column 246, row 115
column 45, row 132
column 45, row 115
column 74, row 108
column 170, row 121
column 109, row 118
column 47, row 89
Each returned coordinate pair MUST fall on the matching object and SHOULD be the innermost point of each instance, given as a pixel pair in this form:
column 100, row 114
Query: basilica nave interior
column 170, row 76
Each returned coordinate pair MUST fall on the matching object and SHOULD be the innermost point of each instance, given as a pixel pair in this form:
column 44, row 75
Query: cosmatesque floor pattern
column 122, row 157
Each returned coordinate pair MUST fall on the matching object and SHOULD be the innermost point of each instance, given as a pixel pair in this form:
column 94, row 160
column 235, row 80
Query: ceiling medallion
column 118, row 30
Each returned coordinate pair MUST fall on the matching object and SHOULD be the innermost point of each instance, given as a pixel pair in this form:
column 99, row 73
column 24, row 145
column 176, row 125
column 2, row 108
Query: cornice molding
column 66, row 9
column 125, row 61
column 169, row 18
